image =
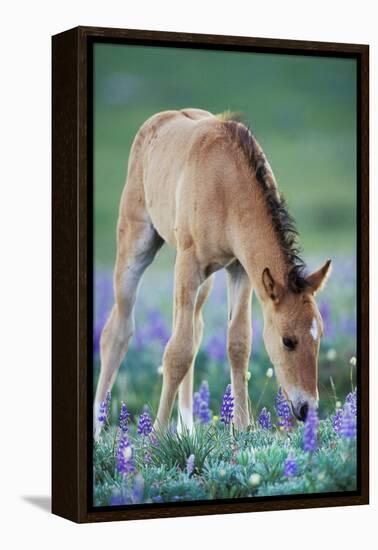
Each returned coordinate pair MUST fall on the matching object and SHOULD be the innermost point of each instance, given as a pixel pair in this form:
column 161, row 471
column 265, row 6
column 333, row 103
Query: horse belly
column 165, row 166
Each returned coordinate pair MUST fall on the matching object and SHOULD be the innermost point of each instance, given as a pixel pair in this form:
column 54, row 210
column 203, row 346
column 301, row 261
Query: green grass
column 228, row 464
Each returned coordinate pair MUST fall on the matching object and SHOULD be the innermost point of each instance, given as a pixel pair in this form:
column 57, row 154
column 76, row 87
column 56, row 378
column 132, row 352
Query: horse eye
column 289, row 343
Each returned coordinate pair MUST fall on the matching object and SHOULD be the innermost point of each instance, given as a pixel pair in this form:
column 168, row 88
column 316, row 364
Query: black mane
column 283, row 222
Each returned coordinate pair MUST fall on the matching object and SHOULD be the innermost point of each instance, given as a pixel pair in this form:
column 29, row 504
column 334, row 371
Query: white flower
column 160, row 369
column 247, row 375
column 353, row 361
column 269, row 372
column 331, row 354
column 338, row 404
column 254, row 479
column 127, row 452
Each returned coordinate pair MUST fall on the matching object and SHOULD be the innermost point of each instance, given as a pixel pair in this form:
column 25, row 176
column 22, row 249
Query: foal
column 202, row 184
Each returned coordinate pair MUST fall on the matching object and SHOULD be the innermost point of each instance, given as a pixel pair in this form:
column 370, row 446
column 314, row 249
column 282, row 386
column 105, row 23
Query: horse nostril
column 303, row 412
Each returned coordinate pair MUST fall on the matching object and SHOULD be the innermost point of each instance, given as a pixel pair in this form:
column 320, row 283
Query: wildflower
column 201, row 402
column 144, row 424
column 204, row 413
column 310, row 434
column 124, row 417
column 204, row 392
column 351, row 399
column 344, row 421
column 125, row 456
column 331, row 354
column 102, row 415
column 285, row 418
column 215, row 418
column 254, row 480
column 348, row 426
column 227, row 410
column 104, row 409
column 336, row 420
column 353, row 361
column 190, row 465
column 269, row 372
column 290, row 466
column 264, row 419
column 196, row 404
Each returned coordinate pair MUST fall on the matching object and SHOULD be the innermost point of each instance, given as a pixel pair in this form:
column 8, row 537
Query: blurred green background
column 302, row 110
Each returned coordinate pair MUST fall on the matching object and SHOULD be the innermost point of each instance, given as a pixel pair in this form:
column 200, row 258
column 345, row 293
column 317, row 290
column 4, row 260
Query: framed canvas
column 206, row 188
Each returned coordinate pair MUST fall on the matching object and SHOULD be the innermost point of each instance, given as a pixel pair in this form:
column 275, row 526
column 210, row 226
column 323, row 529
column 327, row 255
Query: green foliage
column 228, row 464
column 173, row 449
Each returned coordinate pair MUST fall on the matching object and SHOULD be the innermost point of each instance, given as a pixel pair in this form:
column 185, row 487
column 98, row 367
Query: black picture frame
column 72, row 249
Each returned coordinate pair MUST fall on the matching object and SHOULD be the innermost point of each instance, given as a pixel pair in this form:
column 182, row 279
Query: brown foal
column 202, row 184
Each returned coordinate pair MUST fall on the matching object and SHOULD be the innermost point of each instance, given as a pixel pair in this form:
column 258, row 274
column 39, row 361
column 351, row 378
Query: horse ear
column 318, row 279
column 273, row 289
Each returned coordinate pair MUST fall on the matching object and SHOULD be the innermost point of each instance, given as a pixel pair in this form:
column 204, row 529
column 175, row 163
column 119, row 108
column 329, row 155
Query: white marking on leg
column 185, row 417
column 314, row 329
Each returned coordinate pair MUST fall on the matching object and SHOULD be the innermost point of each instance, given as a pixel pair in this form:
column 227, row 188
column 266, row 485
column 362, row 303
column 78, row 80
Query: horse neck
column 257, row 246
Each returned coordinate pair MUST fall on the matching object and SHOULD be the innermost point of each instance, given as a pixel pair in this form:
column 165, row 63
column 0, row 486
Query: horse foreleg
column 239, row 340
column 180, row 350
column 185, row 399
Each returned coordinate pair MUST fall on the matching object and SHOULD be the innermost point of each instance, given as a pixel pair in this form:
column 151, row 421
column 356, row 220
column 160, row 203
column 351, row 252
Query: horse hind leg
column 185, row 399
column 137, row 245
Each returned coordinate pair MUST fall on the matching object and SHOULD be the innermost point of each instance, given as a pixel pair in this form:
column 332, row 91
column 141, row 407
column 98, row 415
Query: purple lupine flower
column 285, row 418
column 348, row 427
column 290, row 466
column 204, row 392
column 145, row 424
column 196, row 404
column 204, row 413
column 264, row 419
column 125, row 456
column 104, row 408
column 351, row 399
column 102, row 415
column 190, row 465
column 124, row 417
column 201, row 401
column 227, row 410
column 344, row 421
column 336, row 420
column 310, row 434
